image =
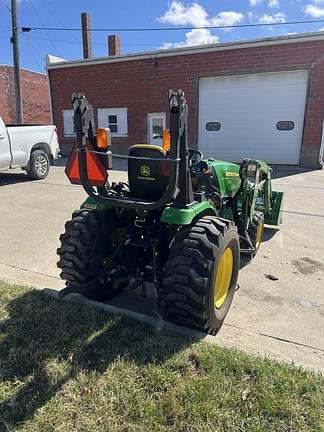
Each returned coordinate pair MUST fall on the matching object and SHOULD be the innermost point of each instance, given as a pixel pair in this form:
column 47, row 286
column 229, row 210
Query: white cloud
column 251, row 16
column 227, row 18
column 273, row 3
column 278, row 17
column 180, row 14
column 194, row 37
column 315, row 11
column 196, row 16
column 255, row 2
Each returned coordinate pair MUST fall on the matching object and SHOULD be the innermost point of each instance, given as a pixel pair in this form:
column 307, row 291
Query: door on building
column 156, row 122
column 254, row 115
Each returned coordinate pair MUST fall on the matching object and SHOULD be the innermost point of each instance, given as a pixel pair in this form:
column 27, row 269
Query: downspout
column 321, row 152
column 49, row 96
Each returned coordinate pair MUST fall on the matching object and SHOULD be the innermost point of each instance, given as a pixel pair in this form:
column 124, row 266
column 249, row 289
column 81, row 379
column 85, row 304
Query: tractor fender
column 177, row 216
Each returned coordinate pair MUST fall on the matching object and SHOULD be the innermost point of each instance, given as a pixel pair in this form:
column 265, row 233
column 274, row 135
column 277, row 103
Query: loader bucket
column 275, row 215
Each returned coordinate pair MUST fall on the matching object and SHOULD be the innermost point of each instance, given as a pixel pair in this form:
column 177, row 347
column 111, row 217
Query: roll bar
column 85, row 127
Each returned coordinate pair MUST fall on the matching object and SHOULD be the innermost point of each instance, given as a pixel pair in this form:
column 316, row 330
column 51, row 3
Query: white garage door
column 260, row 116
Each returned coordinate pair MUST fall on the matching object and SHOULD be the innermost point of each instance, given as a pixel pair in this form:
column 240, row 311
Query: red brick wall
column 34, row 94
column 142, row 86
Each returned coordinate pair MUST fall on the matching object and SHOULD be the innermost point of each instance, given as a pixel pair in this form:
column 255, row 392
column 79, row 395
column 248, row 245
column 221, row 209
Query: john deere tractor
column 180, row 224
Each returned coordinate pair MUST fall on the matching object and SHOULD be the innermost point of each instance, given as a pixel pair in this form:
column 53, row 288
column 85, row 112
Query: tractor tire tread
column 257, row 219
column 77, row 244
column 184, row 296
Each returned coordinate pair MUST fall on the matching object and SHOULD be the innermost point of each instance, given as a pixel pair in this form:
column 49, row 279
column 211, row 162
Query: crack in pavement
column 29, row 271
column 304, row 214
column 276, row 338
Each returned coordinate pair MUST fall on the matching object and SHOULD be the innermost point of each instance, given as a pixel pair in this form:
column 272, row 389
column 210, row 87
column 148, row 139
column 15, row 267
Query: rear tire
column 38, row 166
column 189, row 289
column 85, row 245
column 255, row 231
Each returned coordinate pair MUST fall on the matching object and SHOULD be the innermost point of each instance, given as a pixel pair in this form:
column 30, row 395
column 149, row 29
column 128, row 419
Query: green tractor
column 181, row 223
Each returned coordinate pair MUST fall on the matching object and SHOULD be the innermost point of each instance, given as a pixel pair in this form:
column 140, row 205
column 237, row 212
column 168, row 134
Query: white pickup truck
column 32, row 148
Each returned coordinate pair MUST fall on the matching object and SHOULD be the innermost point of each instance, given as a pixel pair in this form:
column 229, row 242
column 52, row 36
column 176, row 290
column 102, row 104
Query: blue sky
column 146, row 13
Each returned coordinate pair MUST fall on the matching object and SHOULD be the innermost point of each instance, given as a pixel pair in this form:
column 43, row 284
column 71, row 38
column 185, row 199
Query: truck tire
column 255, row 230
column 85, row 246
column 201, row 275
column 38, row 166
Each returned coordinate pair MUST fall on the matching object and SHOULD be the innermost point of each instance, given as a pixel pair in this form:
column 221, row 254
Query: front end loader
column 180, row 224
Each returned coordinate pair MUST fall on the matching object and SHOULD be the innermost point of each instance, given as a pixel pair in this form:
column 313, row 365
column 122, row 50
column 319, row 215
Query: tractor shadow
column 280, row 171
column 41, row 331
column 268, row 234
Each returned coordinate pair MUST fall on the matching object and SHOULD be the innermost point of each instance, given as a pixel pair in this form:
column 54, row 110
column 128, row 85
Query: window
column 113, row 123
column 157, row 128
column 115, row 119
column 155, row 125
column 285, row 125
column 213, row 126
column 68, row 124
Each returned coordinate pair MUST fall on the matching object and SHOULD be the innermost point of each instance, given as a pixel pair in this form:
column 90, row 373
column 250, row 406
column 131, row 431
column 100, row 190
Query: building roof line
column 254, row 43
column 23, row 69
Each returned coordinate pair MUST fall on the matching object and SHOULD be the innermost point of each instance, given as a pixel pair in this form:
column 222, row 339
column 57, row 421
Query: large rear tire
column 201, row 275
column 87, row 243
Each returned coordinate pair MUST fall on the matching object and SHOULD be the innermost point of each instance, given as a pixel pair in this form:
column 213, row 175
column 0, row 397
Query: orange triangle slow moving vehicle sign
column 97, row 173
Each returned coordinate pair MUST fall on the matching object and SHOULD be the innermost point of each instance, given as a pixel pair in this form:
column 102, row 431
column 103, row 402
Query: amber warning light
column 103, row 138
column 166, row 140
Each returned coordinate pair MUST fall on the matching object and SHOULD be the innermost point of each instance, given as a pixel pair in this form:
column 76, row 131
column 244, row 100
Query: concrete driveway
column 282, row 318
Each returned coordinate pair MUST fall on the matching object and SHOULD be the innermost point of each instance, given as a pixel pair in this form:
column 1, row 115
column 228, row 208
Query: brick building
column 34, row 94
column 261, row 98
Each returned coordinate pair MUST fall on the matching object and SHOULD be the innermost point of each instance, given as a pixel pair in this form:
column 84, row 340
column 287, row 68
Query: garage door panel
column 248, row 108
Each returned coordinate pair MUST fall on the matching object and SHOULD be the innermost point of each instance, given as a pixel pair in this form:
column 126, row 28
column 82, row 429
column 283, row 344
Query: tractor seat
column 145, row 177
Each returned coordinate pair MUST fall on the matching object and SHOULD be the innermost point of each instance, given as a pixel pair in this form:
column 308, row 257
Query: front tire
column 38, row 166
column 201, row 275
column 256, row 230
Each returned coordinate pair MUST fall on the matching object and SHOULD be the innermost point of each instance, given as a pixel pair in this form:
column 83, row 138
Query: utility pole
column 15, row 50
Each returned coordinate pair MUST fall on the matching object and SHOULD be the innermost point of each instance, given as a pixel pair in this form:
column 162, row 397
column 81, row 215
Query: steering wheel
column 199, row 157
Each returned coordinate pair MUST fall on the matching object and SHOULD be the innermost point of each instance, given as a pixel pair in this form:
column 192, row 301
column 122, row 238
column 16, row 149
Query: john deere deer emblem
column 145, row 171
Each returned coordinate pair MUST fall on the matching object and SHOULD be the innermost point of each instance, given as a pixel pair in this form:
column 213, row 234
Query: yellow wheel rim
column 259, row 236
column 223, row 278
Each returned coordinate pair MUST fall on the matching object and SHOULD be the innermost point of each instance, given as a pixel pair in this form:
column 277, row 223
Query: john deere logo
column 145, row 171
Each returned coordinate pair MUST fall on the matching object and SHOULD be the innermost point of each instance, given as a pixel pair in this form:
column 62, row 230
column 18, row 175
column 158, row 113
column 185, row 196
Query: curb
column 157, row 323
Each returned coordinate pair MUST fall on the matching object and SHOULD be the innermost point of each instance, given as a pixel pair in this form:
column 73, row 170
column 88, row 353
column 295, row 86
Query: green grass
column 66, row 367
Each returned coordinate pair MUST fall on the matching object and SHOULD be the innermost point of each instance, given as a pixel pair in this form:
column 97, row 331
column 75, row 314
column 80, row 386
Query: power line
column 5, row 5
column 94, row 43
column 41, row 22
column 33, row 50
column 53, row 13
column 147, row 29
